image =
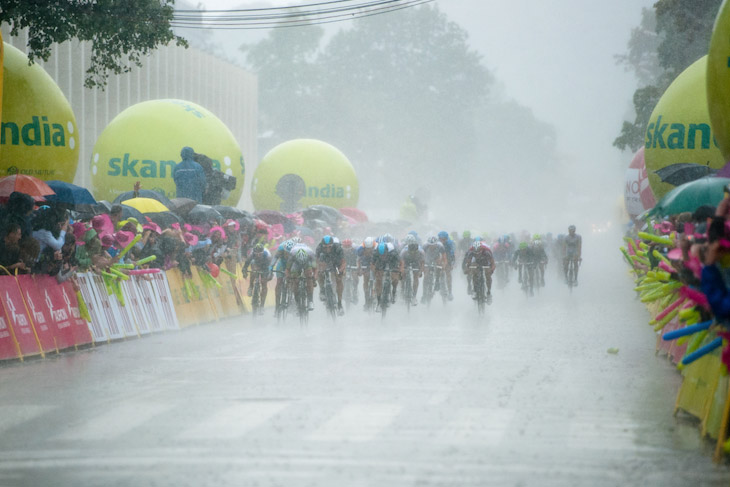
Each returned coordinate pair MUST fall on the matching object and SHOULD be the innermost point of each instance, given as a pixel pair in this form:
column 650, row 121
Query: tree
column 121, row 33
column 682, row 35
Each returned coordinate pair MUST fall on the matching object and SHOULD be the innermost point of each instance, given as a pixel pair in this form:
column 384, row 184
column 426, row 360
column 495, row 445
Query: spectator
column 189, row 177
column 50, row 228
column 115, row 214
column 18, row 210
column 9, row 248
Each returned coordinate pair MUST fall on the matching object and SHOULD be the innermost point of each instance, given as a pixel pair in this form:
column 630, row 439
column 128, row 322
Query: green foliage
column 681, row 35
column 121, row 33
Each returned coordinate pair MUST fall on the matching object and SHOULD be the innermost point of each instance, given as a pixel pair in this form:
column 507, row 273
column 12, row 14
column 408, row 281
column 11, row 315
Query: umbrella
column 70, row 194
column 143, row 193
column 203, row 214
column 273, row 217
column 231, row 212
column 131, row 212
column 355, row 214
column 322, row 212
column 690, row 196
column 677, row 174
column 165, row 219
column 182, row 206
column 24, row 184
column 146, row 205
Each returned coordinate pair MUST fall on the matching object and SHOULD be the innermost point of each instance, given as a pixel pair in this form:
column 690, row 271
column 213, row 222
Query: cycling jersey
column 333, row 257
column 389, row 258
column 258, row 262
column 571, row 244
column 412, row 258
column 433, row 252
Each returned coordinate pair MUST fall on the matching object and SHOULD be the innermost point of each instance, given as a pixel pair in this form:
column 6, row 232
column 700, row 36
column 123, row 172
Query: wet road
column 527, row 396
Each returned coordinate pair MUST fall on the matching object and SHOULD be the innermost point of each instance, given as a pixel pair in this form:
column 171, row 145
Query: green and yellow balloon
column 143, row 143
column 679, row 130
column 304, row 172
column 38, row 135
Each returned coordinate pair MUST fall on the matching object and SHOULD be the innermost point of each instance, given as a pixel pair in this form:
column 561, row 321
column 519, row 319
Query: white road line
column 11, row 416
column 359, row 422
column 114, row 422
column 234, row 421
column 484, row 426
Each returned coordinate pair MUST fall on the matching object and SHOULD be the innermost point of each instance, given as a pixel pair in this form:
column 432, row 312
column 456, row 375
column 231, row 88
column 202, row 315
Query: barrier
column 38, row 315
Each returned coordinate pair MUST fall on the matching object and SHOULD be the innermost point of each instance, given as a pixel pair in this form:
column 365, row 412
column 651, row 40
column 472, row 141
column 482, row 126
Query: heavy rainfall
column 364, row 242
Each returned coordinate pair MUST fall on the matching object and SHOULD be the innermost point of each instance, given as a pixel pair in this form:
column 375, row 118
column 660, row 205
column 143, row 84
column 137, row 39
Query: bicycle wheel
column 407, row 291
column 428, row 288
column 443, row 287
column 256, row 296
column 330, row 297
column 385, row 298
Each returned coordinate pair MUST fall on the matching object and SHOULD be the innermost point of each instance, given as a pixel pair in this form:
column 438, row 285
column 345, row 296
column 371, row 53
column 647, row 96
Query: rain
column 260, row 333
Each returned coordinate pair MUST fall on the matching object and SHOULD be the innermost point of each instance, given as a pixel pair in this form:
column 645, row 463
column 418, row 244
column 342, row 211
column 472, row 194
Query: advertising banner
column 52, row 335
column 17, row 316
column 81, row 331
column 99, row 330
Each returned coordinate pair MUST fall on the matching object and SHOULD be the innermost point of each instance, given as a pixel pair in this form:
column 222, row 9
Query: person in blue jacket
column 189, row 177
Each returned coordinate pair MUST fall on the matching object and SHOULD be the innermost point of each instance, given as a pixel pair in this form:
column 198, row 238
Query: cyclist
column 385, row 257
column 278, row 266
column 523, row 257
column 541, row 259
column 435, row 256
column 412, row 256
column 331, row 257
column 572, row 244
column 465, row 242
column 480, row 255
column 260, row 261
column 364, row 257
column 301, row 263
column 350, row 254
column 450, row 247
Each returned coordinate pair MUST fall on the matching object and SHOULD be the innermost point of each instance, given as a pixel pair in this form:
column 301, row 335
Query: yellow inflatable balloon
column 143, row 143
column 304, row 172
column 718, row 80
column 38, row 134
column 679, row 129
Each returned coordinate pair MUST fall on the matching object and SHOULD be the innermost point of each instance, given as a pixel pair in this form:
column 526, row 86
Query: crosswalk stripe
column 485, row 426
column 114, row 422
column 234, row 421
column 359, row 422
column 11, row 416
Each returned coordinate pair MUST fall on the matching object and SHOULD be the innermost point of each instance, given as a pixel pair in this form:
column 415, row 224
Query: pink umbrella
column 355, row 214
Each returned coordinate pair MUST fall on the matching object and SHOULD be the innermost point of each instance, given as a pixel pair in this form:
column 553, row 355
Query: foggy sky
column 556, row 58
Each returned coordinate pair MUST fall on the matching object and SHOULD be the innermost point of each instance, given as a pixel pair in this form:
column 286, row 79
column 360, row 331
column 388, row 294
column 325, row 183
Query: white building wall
column 226, row 90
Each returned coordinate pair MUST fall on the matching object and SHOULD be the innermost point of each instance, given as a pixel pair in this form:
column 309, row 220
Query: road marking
column 114, row 422
column 484, row 426
column 234, row 421
column 359, row 422
column 11, row 416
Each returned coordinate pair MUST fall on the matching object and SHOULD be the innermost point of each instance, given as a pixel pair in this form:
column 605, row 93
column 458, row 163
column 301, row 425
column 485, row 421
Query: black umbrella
column 684, row 172
column 129, row 212
column 322, row 212
column 143, row 193
column 182, row 206
column 231, row 212
column 203, row 214
column 164, row 219
column 69, row 194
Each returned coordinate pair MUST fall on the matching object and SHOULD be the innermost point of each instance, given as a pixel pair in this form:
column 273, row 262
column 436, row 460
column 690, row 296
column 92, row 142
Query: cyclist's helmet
column 466, row 234
column 432, row 240
column 571, row 228
column 481, row 247
column 347, row 243
column 301, row 256
column 536, row 237
column 327, row 240
column 443, row 234
column 409, row 240
column 477, row 239
column 368, row 243
column 387, row 238
column 523, row 245
column 296, row 240
column 258, row 248
column 382, row 247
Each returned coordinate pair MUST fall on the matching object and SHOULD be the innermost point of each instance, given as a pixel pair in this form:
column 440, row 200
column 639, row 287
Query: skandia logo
column 328, row 191
column 39, row 131
column 661, row 135
column 144, row 168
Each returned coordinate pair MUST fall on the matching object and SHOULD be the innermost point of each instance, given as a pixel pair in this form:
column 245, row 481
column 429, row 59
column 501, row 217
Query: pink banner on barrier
column 49, row 331
column 81, row 331
column 17, row 317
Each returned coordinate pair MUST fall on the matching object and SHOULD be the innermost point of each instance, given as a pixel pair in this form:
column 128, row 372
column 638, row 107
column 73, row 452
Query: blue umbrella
column 69, row 193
